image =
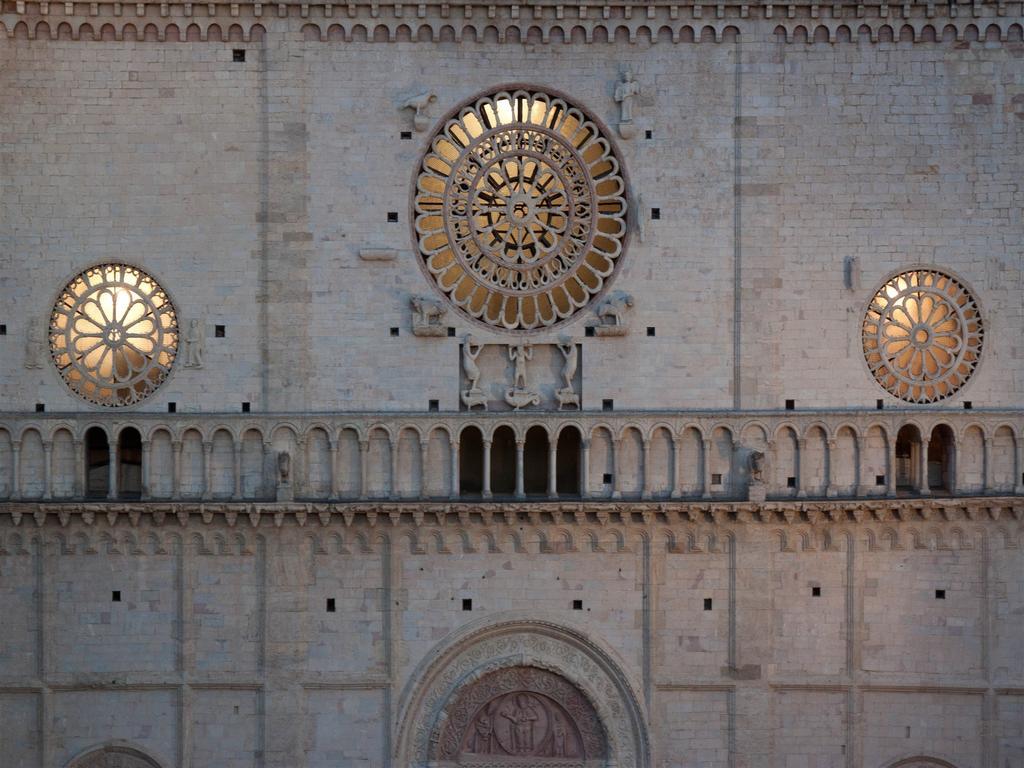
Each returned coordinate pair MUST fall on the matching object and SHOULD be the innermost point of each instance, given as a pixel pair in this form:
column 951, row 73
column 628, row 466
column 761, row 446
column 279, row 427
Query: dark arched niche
column 522, row 712
column 114, row 756
column 921, row 761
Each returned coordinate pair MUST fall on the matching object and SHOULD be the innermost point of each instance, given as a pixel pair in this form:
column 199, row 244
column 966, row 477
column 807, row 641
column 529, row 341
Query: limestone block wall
column 207, row 641
column 794, row 163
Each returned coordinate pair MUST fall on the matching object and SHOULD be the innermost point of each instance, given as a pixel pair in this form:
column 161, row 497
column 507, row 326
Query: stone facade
column 682, row 525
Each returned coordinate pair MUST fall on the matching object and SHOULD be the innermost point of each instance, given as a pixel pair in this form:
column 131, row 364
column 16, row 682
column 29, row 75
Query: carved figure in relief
column 194, row 345
column 755, row 465
column 427, row 317
column 567, row 394
column 420, row 104
column 473, row 396
column 483, row 733
column 522, row 714
column 519, row 396
column 520, row 354
column 626, row 90
column 33, row 345
column 559, row 735
column 611, row 315
column 284, row 467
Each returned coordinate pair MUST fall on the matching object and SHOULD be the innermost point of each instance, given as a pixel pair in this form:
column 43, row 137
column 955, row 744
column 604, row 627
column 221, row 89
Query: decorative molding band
column 536, row 23
column 601, row 513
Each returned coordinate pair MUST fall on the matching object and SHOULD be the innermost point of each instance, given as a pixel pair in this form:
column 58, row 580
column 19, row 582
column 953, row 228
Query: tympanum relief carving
column 519, row 716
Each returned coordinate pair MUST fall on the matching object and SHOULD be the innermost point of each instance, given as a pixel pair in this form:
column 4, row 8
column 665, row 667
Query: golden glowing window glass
column 923, row 335
column 520, row 210
column 113, row 335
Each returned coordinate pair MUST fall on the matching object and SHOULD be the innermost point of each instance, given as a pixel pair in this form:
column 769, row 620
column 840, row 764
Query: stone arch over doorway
column 562, row 673
column 920, row 761
column 114, row 755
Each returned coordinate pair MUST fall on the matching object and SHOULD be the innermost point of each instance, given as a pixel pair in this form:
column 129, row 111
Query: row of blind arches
column 411, row 465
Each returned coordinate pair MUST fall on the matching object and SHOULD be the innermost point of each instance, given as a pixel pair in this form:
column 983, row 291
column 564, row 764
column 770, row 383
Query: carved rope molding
column 540, row 22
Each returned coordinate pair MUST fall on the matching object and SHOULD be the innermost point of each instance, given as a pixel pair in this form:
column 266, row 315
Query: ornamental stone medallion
column 922, row 335
column 113, row 335
column 519, row 713
column 520, row 210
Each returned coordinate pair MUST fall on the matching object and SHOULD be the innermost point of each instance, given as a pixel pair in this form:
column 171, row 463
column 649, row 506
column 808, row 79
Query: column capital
column 146, row 445
column 207, row 446
column 176, row 445
column 47, row 445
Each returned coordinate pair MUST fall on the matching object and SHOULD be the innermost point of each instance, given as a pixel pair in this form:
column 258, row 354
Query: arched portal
column 921, row 762
column 114, row 755
column 517, row 690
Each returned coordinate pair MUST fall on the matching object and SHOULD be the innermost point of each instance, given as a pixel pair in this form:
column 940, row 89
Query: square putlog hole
column 577, row 605
column 238, row 55
column 220, row 331
column 815, row 591
column 716, row 479
column 115, row 596
column 467, row 604
column 707, row 603
column 607, row 405
column 940, row 594
column 331, row 606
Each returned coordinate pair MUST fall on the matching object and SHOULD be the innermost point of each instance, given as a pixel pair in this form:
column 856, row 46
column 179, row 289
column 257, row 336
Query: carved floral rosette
column 522, row 712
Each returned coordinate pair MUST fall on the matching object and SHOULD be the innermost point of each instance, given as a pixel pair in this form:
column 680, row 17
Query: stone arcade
column 633, row 385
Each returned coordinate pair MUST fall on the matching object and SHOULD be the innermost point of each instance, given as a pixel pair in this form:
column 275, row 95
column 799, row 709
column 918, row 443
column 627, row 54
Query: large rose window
column 520, row 210
column 922, row 335
column 113, row 335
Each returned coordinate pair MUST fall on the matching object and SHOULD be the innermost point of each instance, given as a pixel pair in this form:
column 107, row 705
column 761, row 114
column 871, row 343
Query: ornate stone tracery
column 113, row 335
column 520, row 210
column 922, row 335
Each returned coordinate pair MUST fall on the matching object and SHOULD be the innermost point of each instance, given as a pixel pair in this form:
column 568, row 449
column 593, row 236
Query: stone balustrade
column 592, row 455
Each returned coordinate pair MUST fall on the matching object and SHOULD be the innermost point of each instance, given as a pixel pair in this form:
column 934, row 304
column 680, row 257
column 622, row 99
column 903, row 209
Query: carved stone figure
column 473, row 396
column 194, row 345
column 33, row 345
column 483, row 732
column 519, row 396
column 420, row 104
column 756, row 490
column 626, row 90
column 427, row 317
column 610, row 313
column 284, row 473
column 567, row 395
column 520, row 354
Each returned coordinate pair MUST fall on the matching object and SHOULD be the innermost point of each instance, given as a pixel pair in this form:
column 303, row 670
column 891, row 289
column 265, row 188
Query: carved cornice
column 544, row 21
column 539, row 513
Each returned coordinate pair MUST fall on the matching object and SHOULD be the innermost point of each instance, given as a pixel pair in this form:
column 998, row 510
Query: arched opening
column 119, row 754
column 503, row 461
column 940, row 459
column 97, row 464
column 908, row 450
column 471, row 462
column 567, row 469
column 129, row 471
column 535, row 462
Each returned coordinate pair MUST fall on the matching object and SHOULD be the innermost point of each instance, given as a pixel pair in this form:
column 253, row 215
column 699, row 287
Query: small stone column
column 112, row 468
column 146, row 454
column 47, row 469
column 553, row 469
column 79, row 490
column 424, row 456
column 890, row 469
column 922, row 486
column 830, row 490
column 801, row 463
column 393, row 491
column 335, row 471
column 364, row 461
column 1018, row 465
column 268, row 458
column 707, row 468
column 207, row 469
column 988, row 457
column 455, row 481
column 677, row 467
column 176, row 488
column 16, row 460
column 487, row 469
column 237, row 493
column 645, row 492
column 585, row 469
column 616, row 446
column 520, row 479
column 860, row 487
